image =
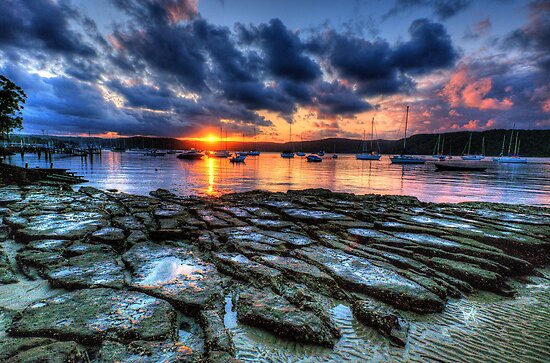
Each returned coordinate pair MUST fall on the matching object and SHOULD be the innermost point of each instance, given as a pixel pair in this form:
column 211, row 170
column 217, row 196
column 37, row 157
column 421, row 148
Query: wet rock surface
column 137, row 267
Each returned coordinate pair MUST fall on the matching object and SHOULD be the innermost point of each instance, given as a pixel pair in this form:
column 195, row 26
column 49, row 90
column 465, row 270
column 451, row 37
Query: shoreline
column 139, row 267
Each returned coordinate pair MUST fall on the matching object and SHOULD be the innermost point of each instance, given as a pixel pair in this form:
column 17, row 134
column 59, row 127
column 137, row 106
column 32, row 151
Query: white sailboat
column 403, row 158
column 512, row 158
column 254, row 152
column 372, row 155
column 288, row 154
column 220, row 153
column 469, row 156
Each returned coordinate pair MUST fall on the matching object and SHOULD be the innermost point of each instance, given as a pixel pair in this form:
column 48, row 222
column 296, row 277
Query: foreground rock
column 90, row 316
column 140, row 267
column 265, row 309
column 175, row 274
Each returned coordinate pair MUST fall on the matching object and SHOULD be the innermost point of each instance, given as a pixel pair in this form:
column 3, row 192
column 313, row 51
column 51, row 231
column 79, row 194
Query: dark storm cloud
column 283, row 50
column 430, row 48
column 41, row 24
column 379, row 68
column 174, row 71
column 443, row 9
column 337, row 99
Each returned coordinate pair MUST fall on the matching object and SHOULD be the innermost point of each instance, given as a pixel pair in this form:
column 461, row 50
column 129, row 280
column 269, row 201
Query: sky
column 186, row 68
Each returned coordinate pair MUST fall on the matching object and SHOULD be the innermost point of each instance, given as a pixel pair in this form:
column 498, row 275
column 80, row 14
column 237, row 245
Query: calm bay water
column 135, row 173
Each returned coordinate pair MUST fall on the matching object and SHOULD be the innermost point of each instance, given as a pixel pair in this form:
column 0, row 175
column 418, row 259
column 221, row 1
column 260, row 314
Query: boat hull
column 510, row 160
column 473, row 157
column 368, row 156
column 404, row 159
column 287, row 155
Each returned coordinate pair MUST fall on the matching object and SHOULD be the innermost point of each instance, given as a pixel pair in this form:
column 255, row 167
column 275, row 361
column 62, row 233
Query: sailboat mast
column 503, row 142
column 442, row 145
column 406, row 125
column 483, row 146
column 372, row 135
column 221, row 138
column 511, row 139
column 516, row 146
column 469, row 143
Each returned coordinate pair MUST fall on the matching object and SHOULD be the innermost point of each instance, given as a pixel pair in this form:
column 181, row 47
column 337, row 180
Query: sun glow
column 211, row 138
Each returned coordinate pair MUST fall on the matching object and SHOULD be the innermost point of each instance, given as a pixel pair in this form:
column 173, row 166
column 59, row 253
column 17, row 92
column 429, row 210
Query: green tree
column 12, row 99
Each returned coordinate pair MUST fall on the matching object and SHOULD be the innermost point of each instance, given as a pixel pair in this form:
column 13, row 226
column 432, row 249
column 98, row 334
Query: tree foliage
column 12, row 99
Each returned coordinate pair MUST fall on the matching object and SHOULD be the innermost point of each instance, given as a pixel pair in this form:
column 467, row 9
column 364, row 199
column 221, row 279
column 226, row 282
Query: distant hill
column 532, row 143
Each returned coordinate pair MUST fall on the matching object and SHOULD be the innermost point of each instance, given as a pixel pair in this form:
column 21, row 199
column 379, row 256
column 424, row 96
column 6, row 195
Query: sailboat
column 469, row 156
column 301, row 152
column 372, row 155
column 242, row 153
column 511, row 158
column 220, row 153
column 438, row 149
column 254, row 152
column 403, row 158
column 288, row 154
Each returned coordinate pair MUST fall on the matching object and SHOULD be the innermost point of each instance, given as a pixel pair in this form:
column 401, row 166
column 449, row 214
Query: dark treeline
column 532, row 143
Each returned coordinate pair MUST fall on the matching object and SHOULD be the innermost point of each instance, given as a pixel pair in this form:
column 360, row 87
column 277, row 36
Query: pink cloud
column 472, row 125
column 546, row 106
column 179, row 10
column 463, row 90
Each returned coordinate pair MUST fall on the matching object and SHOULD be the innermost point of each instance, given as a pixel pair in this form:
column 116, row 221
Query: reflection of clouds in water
column 170, row 269
column 139, row 174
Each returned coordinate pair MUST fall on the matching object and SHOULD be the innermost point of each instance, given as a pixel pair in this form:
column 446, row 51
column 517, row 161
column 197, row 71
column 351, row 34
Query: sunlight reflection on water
column 139, row 174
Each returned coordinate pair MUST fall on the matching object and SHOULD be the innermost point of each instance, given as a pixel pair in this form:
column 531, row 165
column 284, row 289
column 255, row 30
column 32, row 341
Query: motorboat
column 287, row 154
column 154, row 153
column 253, row 153
column 314, row 158
column 300, row 153
column 219, row 154
column 367, row 156
column 406, row 159
column 238, row 159
column 190, row 155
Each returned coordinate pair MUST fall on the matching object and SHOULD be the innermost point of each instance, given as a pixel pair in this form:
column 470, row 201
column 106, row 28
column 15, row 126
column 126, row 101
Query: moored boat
column 403, row 158
column 238, row 159
column 190, row 155
column 314, row 158
column 372, row 155
column 287, row 154
column 154, row 152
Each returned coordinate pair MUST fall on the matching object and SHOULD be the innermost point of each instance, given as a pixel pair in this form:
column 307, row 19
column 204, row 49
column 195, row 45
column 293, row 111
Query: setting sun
column 211, row 138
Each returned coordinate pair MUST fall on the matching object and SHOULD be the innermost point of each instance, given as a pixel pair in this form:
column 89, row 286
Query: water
column 135, row 173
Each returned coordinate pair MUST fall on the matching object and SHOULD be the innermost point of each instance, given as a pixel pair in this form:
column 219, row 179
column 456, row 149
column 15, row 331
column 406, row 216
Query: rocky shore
column 120, row 277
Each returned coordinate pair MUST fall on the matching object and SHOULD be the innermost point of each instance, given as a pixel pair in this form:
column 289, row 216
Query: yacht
column 190, row 155
column 314, row 158
column 469, row 156
column 403, row 158
column 512, row 158
column 372, row 155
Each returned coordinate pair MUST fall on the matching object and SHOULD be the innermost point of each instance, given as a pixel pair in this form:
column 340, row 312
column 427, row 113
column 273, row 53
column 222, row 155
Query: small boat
column 190, row 155
column 287, row 154
column 300, row 153
column 154, row 153
column 334, row 156
column 460, row 166
column 406, row 159
column 219, row 154
column 172, row 152
column 314, row 158
column 371, row 155
column 242, row 153
column 238, row 159
column 321, row 153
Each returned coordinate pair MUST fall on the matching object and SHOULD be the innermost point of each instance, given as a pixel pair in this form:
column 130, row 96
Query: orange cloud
column 472, row 125
column 463, row 90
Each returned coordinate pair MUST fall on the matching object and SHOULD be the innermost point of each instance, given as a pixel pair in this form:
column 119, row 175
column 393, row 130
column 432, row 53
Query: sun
column 211, row 138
